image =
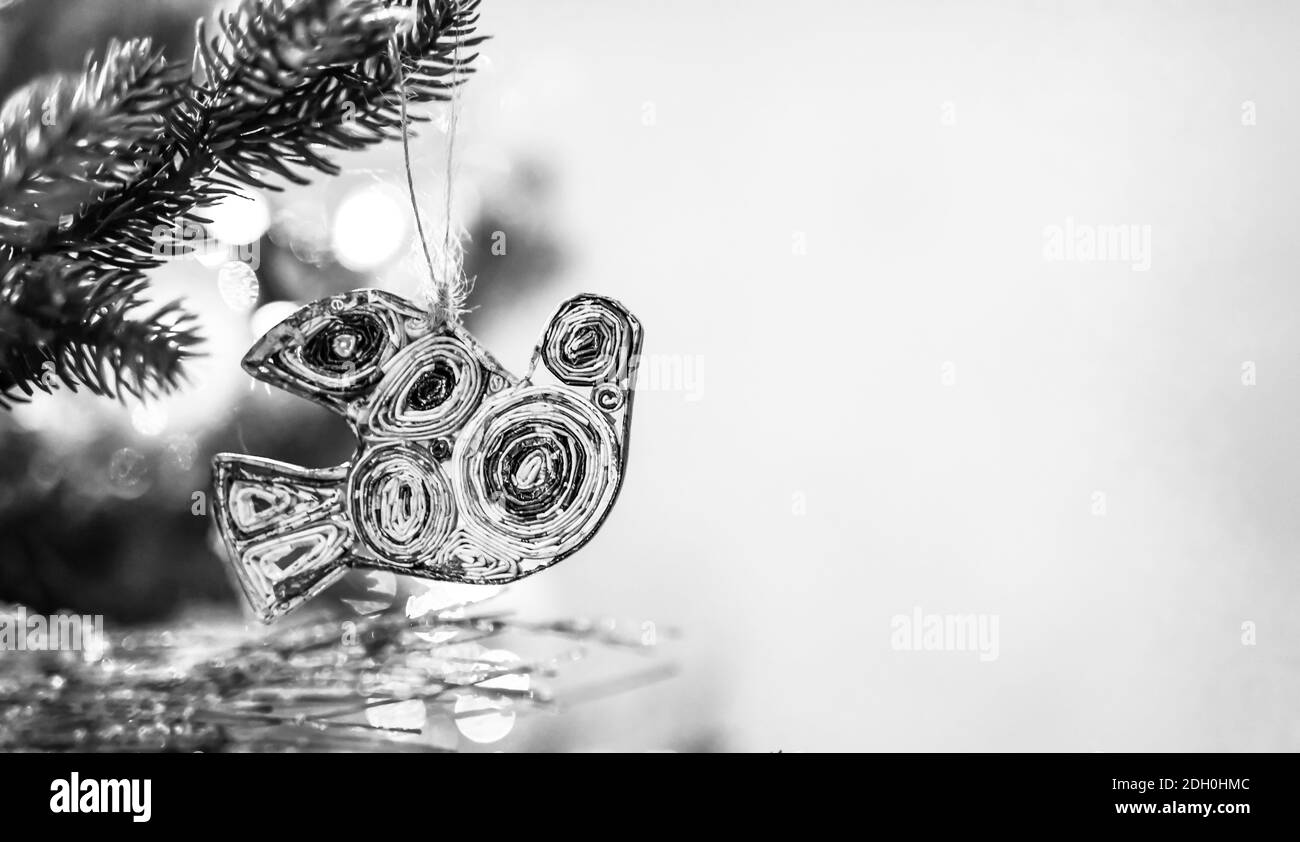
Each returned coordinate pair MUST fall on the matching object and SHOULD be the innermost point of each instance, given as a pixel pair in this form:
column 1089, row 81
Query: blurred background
column 872, row 387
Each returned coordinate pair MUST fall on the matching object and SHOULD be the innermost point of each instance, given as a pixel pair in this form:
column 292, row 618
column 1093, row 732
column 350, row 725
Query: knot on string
column 445, row 290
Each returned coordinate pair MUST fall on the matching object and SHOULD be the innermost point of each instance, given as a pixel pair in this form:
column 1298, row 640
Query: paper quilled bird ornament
column 463, row 472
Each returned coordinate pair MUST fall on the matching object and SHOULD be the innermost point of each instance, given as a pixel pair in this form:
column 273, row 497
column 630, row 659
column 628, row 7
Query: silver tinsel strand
column 383, row 682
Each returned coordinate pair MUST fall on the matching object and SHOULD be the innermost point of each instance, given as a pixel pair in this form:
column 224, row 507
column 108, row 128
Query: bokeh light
column 128, row 473
column 149, row 420
column 239, row 220
column 370, row 227
column 180, row 452
column 238, row 285
column 409, row 714
column 269, row 315
column 488, row 720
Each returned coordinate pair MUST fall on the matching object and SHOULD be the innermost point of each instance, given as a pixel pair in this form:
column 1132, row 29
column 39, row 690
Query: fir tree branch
column 69, row 322
column 281, row 82
column 66, row 140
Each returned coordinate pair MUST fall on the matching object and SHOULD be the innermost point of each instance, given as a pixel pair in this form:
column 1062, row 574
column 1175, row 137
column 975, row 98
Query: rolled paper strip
column 537, row 470
column 589, row 341
column 430, row 389
column 333, row 351
column 464, row 558
column 281, row 572
column 283, row 527
column 401, row 504
column 608, row 397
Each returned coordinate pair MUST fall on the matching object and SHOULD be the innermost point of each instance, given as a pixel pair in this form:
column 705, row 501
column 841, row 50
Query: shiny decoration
column 438, row 682
column 464, row 472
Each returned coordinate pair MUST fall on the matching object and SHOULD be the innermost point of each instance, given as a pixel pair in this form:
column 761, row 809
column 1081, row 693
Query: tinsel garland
column 382, row 682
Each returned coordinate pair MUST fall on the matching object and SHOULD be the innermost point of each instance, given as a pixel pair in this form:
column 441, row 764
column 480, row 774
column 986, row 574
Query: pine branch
column 66, row 140
column 71, row 323
column 356, row 104
column 280, row 82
